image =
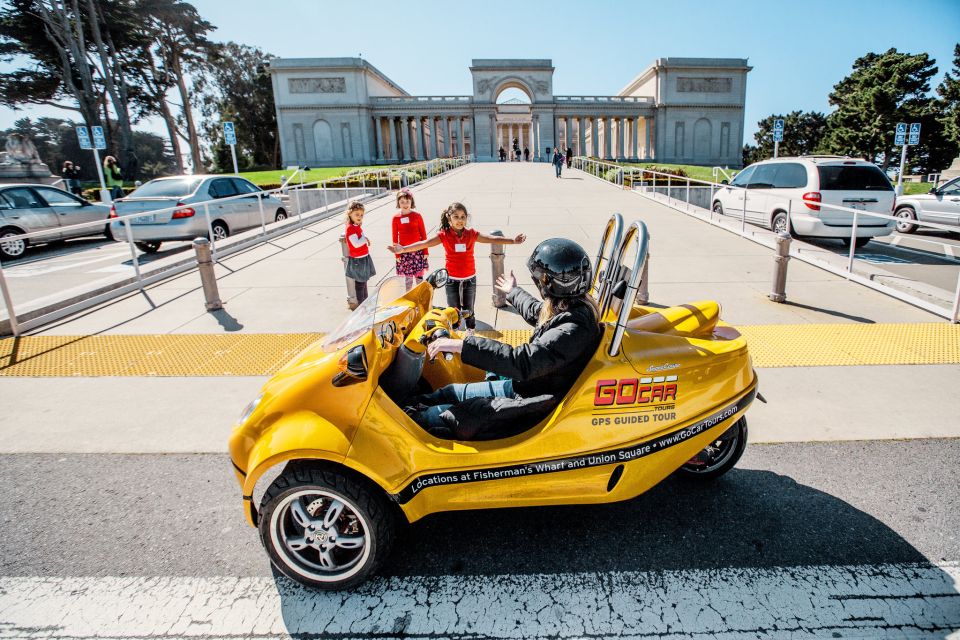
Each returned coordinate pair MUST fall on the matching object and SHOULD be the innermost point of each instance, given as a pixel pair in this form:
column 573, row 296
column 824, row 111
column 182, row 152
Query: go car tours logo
column 633, row 391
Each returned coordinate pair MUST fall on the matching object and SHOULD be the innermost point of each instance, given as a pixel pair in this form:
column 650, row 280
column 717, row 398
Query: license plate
column 858, row 205
column 144, row 220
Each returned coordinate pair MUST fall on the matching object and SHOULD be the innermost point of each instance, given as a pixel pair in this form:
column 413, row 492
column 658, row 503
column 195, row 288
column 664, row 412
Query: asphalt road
column 812, row 504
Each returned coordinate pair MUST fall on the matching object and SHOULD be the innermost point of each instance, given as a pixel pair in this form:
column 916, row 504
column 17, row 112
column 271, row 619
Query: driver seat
column 693, row 320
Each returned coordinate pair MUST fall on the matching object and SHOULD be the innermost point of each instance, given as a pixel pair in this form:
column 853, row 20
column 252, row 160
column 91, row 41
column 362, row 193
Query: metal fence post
column 326, row 204
column 351, row 283
column 779, row 293
column 688, row 194
column 955, row 316
column 496, row 262
column 669, row 186
column 133, row 251
column 213, row 241
column 853, row 242
column 207, row 276
column 743, row 214
column 12, row 315
column 263, row 218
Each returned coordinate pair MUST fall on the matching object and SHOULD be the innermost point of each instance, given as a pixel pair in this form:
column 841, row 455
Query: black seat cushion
column 493, row 418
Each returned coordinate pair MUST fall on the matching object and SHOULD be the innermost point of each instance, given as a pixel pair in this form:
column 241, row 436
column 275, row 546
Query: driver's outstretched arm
column 526, row 305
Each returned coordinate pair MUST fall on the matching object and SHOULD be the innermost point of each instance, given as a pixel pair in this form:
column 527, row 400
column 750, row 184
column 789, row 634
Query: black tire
column 220, row 230
column 906, row 214
column 779, row 223
column 281, row 215
column 108, row 233
column 148, row 247
column 11, row 250
column 365, row 514
column 860, row 242
column 718, row 208
column 720, row 456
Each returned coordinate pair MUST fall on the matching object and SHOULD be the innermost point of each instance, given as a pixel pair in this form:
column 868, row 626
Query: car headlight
column 250, row 408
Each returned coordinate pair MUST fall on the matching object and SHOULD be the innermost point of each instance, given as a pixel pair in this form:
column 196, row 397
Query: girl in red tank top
column 458, row 242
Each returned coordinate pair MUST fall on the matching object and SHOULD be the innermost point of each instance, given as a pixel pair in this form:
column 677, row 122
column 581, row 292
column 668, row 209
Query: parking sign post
column 230, row 137
column 902, row 139
column 777, row 135
column 99, row 142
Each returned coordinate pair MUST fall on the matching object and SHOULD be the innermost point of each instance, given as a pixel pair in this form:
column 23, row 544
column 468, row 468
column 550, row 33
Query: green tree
column 235, row 85
column 949, row 91
column 802, row 134
column 883, row 89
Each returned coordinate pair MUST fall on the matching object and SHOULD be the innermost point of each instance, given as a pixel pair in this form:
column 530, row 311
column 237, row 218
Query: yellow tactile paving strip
column 803, row 345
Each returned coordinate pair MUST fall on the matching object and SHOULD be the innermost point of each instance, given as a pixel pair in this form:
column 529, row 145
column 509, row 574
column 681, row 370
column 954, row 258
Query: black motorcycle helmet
column 560, row 268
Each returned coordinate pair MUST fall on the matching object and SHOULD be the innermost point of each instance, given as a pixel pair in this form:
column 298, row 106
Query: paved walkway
column 280, row 295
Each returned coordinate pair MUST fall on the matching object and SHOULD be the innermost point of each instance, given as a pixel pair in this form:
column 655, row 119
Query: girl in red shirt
column 407, row 228
column 359, row 264
column 458, row 242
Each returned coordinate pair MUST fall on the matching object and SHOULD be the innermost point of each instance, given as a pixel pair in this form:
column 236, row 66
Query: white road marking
column 43, row 268
column 877, row 601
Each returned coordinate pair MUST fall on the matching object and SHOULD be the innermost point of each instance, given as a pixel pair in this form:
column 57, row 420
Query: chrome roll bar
column 638, row 231
column 600, row 288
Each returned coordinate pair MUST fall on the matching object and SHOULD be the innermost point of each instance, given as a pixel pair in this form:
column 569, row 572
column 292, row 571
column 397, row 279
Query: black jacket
column 553, row 359
column 542, row 370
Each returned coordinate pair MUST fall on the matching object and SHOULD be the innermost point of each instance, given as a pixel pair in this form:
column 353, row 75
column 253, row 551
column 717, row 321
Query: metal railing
column 378, row 181
column 676, row 191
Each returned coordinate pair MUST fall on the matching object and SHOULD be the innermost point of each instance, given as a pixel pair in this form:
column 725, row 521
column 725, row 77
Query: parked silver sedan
column 179, row 203
column 941, row 205
column 26, row 208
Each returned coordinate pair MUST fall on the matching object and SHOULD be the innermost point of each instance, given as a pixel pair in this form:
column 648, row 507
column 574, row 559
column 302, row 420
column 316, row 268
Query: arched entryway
column 515, row 134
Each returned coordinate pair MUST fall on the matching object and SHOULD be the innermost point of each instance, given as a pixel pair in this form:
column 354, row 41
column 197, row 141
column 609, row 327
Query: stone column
column 621, row 138
column 650, row 124
column 595, row 135
column 494, row 136
column 446, row 136
column 378, row 125
column 392, row 130
column 408, row 145
column 536, row 136
column 530, row 144
column 636, row 137
column 459, row 135
column 421, row 140
column 607, row 137
column 582, row 151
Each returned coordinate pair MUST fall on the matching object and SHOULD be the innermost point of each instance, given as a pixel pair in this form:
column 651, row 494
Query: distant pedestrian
column 71, row 175
column 526, row 154
column 558, row 161
column 359, row 265
column 503, row 155
column 569, row 157
column 113, row 177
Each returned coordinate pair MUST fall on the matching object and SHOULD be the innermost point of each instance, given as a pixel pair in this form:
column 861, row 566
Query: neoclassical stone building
column 344, row 111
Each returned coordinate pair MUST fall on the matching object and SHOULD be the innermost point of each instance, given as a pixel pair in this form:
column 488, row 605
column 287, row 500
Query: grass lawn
column 273, row 177
column 693, row 171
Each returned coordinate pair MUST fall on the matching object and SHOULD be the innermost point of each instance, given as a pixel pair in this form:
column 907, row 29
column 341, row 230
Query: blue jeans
column 559, row 168
column 445, row 397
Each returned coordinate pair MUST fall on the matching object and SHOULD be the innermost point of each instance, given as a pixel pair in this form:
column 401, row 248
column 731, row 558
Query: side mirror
column 353, row 367
column 438, row 278
column 724, row 181
column 933, row 191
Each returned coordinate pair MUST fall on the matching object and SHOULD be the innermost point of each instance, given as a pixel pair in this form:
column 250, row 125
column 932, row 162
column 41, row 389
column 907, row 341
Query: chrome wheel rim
column 718, row 209
column 219, row 233
column 281, row 216
column 780, row 224
column 715, row 454
column 320, row 535
column 904, row 220
column 13, row 248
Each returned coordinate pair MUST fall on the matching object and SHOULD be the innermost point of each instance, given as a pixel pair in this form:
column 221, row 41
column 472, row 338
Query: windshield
column 374, row 309
column 167, row 188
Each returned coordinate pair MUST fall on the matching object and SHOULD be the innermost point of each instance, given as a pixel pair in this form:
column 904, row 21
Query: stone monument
column 20, row 162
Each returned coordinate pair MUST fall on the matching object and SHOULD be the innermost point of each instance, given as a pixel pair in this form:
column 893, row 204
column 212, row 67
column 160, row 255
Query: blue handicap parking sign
column 229, row 133
column 901, row 136
column 778, row 130
column 914, row 133
column 99, row 140
column 83, row 136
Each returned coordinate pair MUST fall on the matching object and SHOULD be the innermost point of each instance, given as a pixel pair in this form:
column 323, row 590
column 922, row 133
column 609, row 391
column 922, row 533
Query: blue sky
column 798, row 50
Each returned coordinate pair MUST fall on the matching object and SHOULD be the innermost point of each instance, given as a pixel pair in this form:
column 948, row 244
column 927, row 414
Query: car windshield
column 838, row 177
column 167, row 188
column 374, row 309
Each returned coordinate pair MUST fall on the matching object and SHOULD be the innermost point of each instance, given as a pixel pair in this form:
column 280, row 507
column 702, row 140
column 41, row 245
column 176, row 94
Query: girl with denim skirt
column 359, row 265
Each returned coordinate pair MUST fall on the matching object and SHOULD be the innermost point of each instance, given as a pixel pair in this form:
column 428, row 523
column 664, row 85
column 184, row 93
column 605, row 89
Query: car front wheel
column 281, row 215
column 220, row 231
column 148, row 247
column 860, row 242
column 11, row 249
column 905, row 217
column 718, row 208
column 325, row 529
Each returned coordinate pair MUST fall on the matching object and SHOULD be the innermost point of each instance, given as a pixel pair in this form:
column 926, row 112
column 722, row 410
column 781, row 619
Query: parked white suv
column 810, row 181
column 941, row 204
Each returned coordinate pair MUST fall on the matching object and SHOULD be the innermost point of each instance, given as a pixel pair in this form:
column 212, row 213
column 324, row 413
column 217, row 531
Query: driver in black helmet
column 534, row 377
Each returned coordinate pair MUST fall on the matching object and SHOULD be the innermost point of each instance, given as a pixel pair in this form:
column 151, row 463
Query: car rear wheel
column 148, row 247
column 325, row 529
column 718, row 208
column 905, row 216
column 11, row 249
column 220, row 231
column 779, row 222
column 281, row 215
column 719, row 456
column 860, row 242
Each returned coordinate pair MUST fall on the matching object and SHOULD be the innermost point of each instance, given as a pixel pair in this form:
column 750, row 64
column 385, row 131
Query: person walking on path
column 569, row 157
column 407, row 228
column 558, row 161
column 359, row 264
column 526, row 154
column 458, row 242
column 113, row 177
column 71, row 174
